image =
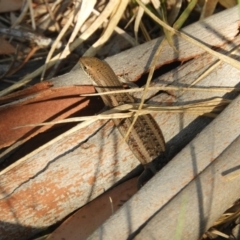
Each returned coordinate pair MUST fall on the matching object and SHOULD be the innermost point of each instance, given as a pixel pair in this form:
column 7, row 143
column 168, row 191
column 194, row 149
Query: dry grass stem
column 212, row 67
column 199, row 108
column 109, row 29
column 197, row 89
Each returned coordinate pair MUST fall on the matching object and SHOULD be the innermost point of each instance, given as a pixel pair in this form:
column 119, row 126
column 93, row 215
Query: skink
column 146, row 140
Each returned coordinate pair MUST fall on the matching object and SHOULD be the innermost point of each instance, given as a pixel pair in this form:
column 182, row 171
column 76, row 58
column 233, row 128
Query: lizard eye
column 84, row 67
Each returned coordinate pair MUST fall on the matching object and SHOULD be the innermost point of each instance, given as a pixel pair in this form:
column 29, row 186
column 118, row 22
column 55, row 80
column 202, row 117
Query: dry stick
column 29, row 55
column 7, row 59
column 14, row 58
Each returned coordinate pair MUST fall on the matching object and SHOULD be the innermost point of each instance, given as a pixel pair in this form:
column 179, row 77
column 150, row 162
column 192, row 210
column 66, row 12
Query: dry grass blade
column 82, row 11
column 137, row 22
column 228, row 217
column 235, row 173
column 185, row 15
column 156, row 3
column 224, row 225
column 151, row 71
column 32, row 14
column 126, row 110
column 218, row 233
column 120, row 31
column 175, row 9
column 228, row 3
column 197, row 89
column 109, row 30
column 208, row 8
column 22, row 15
column 95, row 25
column 55, row 44
column 213, row 66
column 168, row 36
column 32, row 37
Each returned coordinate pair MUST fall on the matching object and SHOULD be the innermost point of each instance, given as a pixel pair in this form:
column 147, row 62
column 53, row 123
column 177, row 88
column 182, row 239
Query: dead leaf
column 96, row 212
column 42, row 104
column 10, row 5
column 5, row 46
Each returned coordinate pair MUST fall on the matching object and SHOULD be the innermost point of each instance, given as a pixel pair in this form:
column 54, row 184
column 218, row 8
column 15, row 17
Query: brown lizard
column 145, row 140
